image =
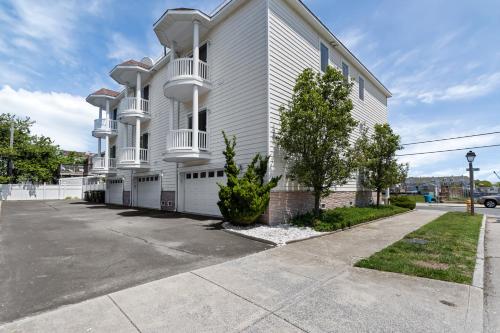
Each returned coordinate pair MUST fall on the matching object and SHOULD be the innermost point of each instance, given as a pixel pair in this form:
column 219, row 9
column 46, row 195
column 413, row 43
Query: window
column 114, row 114
column 188, row 176
column 220, row 173
column 144, row 141
column 211, row 174
column 195, row 175
column 202, row 121
column 324, row 57
column 145, row 92
column 203, row 52
column 203, row 174
column 345, row 70
column 112, row 152
column 361, row 85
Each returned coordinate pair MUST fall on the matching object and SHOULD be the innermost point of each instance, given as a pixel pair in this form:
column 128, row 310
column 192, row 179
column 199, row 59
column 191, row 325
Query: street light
column 470, row 158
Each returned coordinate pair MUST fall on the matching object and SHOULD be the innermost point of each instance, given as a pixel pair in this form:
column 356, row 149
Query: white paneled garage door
column 114, row 191
column 149, row 191
column 201, row 192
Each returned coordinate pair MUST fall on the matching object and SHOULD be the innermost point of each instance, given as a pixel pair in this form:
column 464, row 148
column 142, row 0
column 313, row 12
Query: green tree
column 379, row 168
column 483, row 183
column 315, row 131
column 244, row 199
column 36, row 158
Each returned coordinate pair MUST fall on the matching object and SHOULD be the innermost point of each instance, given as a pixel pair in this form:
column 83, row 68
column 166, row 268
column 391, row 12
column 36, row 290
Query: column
column 137, row 140
column 138, row 91
column 195, row 118
column 100, row 116
column 106, row 156
column 99, row 150
column 196, row 47
column 170, row 124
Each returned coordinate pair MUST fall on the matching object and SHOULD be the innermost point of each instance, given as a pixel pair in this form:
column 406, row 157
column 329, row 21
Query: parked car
column 490, row 201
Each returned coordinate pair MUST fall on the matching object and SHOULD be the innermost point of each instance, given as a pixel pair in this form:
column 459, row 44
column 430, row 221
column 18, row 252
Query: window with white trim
column 324, row 57
column 361, row 87
column 345, row 70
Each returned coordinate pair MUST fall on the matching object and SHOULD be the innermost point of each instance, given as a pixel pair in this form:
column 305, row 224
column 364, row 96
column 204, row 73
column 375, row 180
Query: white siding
column 294, row 46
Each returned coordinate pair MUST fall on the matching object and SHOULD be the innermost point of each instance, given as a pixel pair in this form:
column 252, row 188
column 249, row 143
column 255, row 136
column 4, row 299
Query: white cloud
column 352, row 37
column 67, row 119
column 121, row 48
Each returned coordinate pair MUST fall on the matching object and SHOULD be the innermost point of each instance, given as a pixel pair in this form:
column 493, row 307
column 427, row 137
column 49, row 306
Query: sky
column 440, row 60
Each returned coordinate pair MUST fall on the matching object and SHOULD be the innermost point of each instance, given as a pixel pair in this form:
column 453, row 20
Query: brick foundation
column 285, row 205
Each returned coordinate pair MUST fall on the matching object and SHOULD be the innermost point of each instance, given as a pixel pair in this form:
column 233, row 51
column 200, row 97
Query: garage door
column 201, row 192
column 148, row 191
column 114, row 191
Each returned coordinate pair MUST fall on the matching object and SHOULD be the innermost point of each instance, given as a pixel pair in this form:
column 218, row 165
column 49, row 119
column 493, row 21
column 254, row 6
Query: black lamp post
column 470, row 158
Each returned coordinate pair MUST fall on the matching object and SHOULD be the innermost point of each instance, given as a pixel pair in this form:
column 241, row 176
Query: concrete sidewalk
column 308, row 286
column 492, row 275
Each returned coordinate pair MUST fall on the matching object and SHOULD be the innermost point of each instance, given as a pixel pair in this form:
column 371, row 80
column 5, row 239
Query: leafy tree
column 379, row 168
column 315, row 131
column 244, row 198
column 35, row 158
column 483, row 183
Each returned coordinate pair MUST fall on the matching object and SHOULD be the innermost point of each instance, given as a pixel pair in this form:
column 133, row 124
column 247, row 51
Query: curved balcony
column 128, row 158
column 181, row 77
column 103, row 165
column 180, row 146
column 131, row 108
column 104, row 127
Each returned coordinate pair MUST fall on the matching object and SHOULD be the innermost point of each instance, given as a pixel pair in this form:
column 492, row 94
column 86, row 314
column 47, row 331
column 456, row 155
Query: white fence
column 67, row 188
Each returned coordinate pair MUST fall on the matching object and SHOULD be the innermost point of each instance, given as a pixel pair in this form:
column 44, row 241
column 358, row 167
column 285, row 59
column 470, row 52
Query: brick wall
column 284, row 205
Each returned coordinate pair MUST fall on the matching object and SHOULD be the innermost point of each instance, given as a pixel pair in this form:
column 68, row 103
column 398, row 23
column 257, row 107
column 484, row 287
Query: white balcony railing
column 133, row 104
column 105, row 125
column 183, row 68
column 99, row 163
column 127, row 155
column 183, row 139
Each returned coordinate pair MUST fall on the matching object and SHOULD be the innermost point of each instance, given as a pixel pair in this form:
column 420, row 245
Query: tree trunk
column 378, row 197
column 317, row 197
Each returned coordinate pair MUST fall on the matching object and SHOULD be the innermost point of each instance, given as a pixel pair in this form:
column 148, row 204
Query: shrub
column 244, row 198
column 403, row 201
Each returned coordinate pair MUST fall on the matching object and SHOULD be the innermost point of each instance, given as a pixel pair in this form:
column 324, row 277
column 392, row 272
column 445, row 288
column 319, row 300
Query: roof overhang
column 100, row 97
column 127, row 74
column 175, row 27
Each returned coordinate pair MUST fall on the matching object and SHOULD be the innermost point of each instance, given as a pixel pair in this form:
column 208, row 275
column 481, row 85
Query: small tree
column 379, row 168
column 315, row 132
column 243, row 200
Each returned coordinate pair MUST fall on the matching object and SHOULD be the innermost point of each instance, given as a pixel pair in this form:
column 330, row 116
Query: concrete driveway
column 59, row 252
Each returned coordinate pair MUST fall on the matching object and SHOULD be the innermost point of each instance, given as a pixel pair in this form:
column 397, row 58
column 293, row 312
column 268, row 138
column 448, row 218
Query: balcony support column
column 195, row 118
column 196, row 47
column 106, row 156
column 137, row 140
column 99, row 149
column 138, row 91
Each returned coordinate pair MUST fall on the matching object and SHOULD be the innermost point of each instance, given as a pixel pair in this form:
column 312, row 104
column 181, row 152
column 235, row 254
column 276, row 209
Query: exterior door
column 201, row 192
column 114, row 191
column 149, row 192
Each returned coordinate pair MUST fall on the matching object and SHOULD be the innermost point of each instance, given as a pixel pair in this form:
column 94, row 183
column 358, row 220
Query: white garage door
column 114, row 191
column 201, row 192
column 148, row 192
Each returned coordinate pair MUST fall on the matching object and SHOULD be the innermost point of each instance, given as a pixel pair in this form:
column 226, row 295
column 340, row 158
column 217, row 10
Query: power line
column 453, row 138
column 448, row 150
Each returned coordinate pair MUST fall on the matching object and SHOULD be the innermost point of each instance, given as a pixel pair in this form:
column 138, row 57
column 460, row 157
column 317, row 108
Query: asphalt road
column 60, row 252
column 478, row 209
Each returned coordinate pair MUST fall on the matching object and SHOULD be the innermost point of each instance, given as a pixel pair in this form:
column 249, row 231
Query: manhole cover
column 416, row 241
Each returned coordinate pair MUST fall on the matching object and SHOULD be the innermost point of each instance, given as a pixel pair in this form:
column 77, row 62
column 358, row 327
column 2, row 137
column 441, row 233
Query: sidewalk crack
column 123, row 312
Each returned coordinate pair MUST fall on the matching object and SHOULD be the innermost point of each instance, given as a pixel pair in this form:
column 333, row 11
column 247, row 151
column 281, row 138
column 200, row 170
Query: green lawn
column 449, row 254
column 416, row 198
column 345, row 217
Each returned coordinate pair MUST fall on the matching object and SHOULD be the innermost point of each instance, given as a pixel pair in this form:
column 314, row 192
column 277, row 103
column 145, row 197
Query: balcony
column 181, row 77
column 100, row 166
column 180, row 146
column 105, row 127
column 128, row 158
column 132, row 108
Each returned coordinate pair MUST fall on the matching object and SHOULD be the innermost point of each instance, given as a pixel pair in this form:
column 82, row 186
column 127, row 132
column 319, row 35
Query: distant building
column 79, row 169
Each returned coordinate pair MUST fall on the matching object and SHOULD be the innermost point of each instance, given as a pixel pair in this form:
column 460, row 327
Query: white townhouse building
column 159, row 139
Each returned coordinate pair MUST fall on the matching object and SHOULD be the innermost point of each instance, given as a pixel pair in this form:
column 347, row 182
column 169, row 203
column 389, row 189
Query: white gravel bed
column 279, row 234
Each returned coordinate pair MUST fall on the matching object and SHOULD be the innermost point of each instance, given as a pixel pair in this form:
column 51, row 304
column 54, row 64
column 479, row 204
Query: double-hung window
column 324, row 57
column 361, row 85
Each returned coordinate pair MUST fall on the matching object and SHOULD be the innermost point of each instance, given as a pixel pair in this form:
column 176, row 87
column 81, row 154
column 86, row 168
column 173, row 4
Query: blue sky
column 440, row 59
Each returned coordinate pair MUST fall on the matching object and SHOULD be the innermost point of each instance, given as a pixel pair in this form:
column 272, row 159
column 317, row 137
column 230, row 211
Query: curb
column 311, row 237
column 474, row 321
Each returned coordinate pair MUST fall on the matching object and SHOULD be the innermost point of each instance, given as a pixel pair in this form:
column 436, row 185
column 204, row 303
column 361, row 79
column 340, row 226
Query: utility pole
column 470, row 158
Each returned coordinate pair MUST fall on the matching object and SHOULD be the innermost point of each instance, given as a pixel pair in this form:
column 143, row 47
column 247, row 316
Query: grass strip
column 444, row 249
